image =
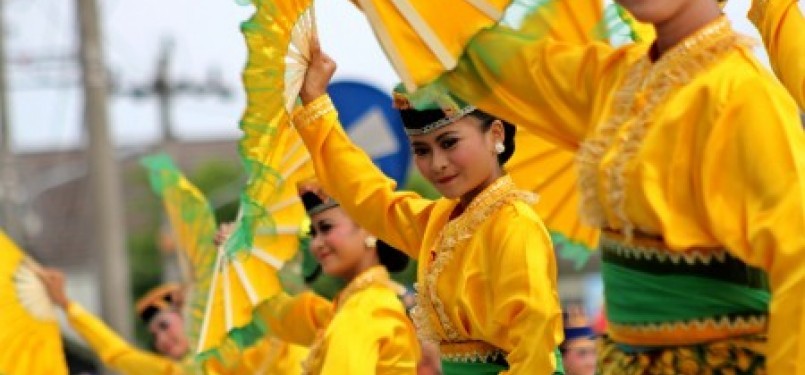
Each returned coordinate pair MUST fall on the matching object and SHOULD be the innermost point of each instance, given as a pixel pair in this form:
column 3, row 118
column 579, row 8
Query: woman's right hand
column 224, row 231
column 318, row 75
column 53, row 280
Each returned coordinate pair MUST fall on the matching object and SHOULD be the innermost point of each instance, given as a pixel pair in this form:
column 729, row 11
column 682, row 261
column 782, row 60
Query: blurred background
column 173, row 84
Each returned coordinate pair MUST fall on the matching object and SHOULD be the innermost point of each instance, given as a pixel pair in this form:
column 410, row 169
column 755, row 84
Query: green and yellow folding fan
column 193, row 227
column 278, row 38
column 421, row 45
column 29, row 337
column 204, row 265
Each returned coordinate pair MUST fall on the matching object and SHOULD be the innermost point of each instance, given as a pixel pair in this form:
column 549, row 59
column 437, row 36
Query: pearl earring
column 371, row 242
column 500, row 148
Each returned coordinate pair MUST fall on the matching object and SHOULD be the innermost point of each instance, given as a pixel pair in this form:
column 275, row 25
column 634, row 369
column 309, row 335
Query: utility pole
column 8, row 185
column 165, row 88
column 164, row 91
column 107, row 201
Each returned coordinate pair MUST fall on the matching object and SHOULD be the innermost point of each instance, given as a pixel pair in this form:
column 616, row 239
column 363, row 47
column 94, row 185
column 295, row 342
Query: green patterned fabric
column 472, row 368
column 489, row 368
column 741, row 356
column 193, row 224
column 652, row 291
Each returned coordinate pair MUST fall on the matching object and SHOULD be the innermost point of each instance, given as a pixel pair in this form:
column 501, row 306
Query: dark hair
column 509, row 131
column 394, row 260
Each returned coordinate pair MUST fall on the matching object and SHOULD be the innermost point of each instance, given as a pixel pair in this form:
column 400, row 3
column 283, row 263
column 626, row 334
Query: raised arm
column 782, row 26
column 348, row 174
column 544, row 86
column 113, row 350
column 753, row 191
column 296, row 319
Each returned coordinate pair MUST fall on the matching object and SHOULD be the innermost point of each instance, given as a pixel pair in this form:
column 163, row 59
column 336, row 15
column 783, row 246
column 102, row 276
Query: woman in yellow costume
column 487, row 275
column 365, row 329
column 782, row 25
column 691, row 161
column 159, row 311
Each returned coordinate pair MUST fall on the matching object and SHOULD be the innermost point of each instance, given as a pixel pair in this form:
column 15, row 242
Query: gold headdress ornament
column 158, row 299
column 431, row 112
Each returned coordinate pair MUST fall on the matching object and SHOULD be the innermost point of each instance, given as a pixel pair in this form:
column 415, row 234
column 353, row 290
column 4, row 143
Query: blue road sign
column 373, row 124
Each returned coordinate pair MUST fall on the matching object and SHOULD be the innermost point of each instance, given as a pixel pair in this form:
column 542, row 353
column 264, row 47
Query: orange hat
column 156, row 300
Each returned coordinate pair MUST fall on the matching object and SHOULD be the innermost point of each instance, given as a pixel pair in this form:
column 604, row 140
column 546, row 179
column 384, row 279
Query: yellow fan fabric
column 30, row 339
column 241, row 281
column 287, row 212
column 782, row 25
column 277, row 37
column 441, row 46
column 193, row 226
column 550, row 171
column 499, row 294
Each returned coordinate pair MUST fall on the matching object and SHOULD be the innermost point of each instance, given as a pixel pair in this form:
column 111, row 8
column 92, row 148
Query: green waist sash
column 450, row 367
column 655, row 296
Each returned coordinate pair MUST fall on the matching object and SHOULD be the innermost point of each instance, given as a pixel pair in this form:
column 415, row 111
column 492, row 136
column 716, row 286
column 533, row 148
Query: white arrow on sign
column 372, row 132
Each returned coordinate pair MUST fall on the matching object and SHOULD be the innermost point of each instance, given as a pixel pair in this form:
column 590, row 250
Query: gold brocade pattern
column 738, row 356
column 377, row 275
column 647, row 85
column 429, row 315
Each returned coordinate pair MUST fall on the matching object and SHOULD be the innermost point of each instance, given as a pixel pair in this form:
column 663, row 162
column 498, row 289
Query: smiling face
column 460, row 158
column 168, row 331
column 339, row 244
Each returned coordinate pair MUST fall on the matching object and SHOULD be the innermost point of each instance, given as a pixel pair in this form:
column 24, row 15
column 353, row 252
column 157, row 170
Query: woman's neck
column 467, row 198
column 687, row 21
column 365, row 264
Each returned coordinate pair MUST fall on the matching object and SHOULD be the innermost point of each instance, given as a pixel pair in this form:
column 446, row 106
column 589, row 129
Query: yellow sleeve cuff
column 73, row 309
column 308, row 114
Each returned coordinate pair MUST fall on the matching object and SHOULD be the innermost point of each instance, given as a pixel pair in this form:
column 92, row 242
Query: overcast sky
column 45, row 102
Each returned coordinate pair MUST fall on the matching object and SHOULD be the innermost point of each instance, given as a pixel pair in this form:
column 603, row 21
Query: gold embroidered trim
column 377, row 275
column 688, row 332
column 429, row 315
column 470, row 351
column 645, row 88
column 649, row 249
column 313, row 111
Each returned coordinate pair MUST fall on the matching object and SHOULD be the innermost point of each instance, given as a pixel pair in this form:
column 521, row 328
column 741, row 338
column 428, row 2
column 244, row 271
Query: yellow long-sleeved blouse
column 782, row 26
column 702, row 148
column 271, row 356
column 115, row 352
column 366, row 331
column 487, row 279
